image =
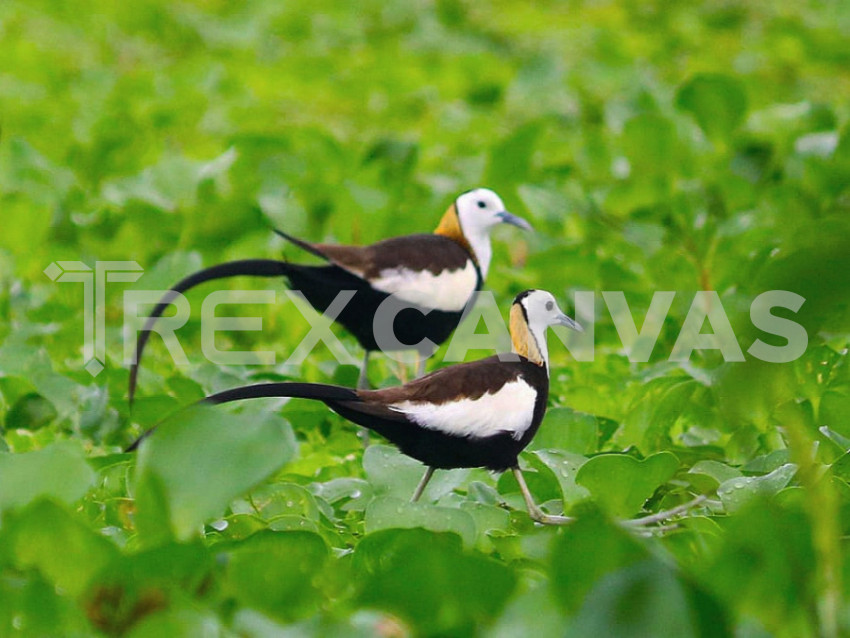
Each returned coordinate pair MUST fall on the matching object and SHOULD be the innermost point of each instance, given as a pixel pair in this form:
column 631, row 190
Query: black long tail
column 242, row 267
column 293, row 389
column 316, row 391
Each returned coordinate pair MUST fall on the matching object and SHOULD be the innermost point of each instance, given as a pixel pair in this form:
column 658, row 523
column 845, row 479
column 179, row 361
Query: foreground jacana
column 478, row 414
column 432, row 276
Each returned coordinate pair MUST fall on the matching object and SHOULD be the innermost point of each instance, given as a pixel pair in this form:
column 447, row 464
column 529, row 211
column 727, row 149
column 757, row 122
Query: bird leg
column 363, row 379
column 363, row 384
column 660, row 517
column 429, row 472
column 533, row 510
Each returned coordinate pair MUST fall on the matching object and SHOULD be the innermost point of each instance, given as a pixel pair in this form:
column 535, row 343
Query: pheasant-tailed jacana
column 477, row 414
column 432, row 276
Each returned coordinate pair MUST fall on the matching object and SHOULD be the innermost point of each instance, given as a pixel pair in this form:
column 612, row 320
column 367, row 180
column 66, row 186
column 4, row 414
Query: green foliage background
column 654, row 145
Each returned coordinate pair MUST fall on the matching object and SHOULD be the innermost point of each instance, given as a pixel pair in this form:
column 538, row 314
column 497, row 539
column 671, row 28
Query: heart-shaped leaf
column 58, row 471
column 199, row 461
column 738, row 492
column 717, row 102
column 621, row 484
column 386, row 512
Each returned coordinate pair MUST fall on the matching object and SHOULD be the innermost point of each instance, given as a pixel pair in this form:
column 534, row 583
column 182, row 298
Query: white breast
column 510, row 409
column 450, row 290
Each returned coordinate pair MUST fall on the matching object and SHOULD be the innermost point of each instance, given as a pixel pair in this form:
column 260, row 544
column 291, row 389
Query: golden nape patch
column 449, row 226
column 523, row 341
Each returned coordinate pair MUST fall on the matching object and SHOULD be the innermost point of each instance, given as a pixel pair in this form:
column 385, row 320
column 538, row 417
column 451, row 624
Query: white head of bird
column 478, row 212
column 532, row 312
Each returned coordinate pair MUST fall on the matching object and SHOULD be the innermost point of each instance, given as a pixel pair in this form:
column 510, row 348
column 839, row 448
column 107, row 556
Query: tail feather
column 330, row 394
column 316, row 391
column 303, row 245
column 244, row 267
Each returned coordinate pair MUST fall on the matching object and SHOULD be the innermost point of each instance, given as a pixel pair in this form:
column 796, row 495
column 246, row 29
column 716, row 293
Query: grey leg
column 535, row 512
column 363, row 379
column 422, row 483
column 363, row 384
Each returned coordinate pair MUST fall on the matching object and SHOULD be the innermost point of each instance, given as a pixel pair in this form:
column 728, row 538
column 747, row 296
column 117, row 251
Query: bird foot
column 659, row 517
column 549, row 519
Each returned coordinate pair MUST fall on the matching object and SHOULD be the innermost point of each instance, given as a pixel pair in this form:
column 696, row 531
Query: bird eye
column 482, row 204
column 550, row 305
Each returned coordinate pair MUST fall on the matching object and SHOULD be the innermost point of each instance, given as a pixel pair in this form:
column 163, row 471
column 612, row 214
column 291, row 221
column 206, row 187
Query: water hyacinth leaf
column 841, row 467
column 565, row 467
column 388, row 512
column 621, row 484
column 587, row 550
column 32, row 411
column 736, row 493
column 566, row 429
column 348, row 494
column 707, row 474
column 510, row 160
column 34, row 607
column 179, row 622
column 134, row 586
column 60, row 545
column 834, row 412
column 765, row 568
column 487, row 518
column 717, row 102
column 284, row 499
column 429, row 581
column 649, row 141
column 276, row 572
column 630, row 602
column 838, row 439
column 59, row 471
column 531, row 613
column 199, row 460
column 394, row 474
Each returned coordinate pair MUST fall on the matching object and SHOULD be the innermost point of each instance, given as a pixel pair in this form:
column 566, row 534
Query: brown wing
column 465, row 380
column 433, row 253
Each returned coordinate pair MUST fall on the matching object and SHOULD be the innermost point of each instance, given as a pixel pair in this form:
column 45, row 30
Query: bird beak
column 508, row 218
column 564, row 320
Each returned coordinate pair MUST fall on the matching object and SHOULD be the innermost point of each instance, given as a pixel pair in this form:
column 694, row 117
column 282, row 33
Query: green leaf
column 388, row 512
column 566, row 429
column 706, row 475
column 60, row 545
column 621, row 484
column 134, row 586
column 33, row 607
column 586, row 551
column 199, row 460
column 179, row 622
column 565, row 467
column 717, row 102
column 649, row 142
column 429, row 581
column 59, row 471
column 392, row 473
column 736, row 493
column 510, row 160
column 276, row 572
column 32, row 411
column 764, row 568
column 634, row 600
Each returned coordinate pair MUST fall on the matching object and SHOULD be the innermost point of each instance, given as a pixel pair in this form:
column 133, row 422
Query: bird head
column 532, row 312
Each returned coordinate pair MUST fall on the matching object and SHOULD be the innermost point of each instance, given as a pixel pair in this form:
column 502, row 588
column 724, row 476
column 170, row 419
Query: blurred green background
column 655, row 146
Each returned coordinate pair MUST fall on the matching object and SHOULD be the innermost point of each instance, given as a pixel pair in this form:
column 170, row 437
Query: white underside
column 510, row 409
column 448, row 291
